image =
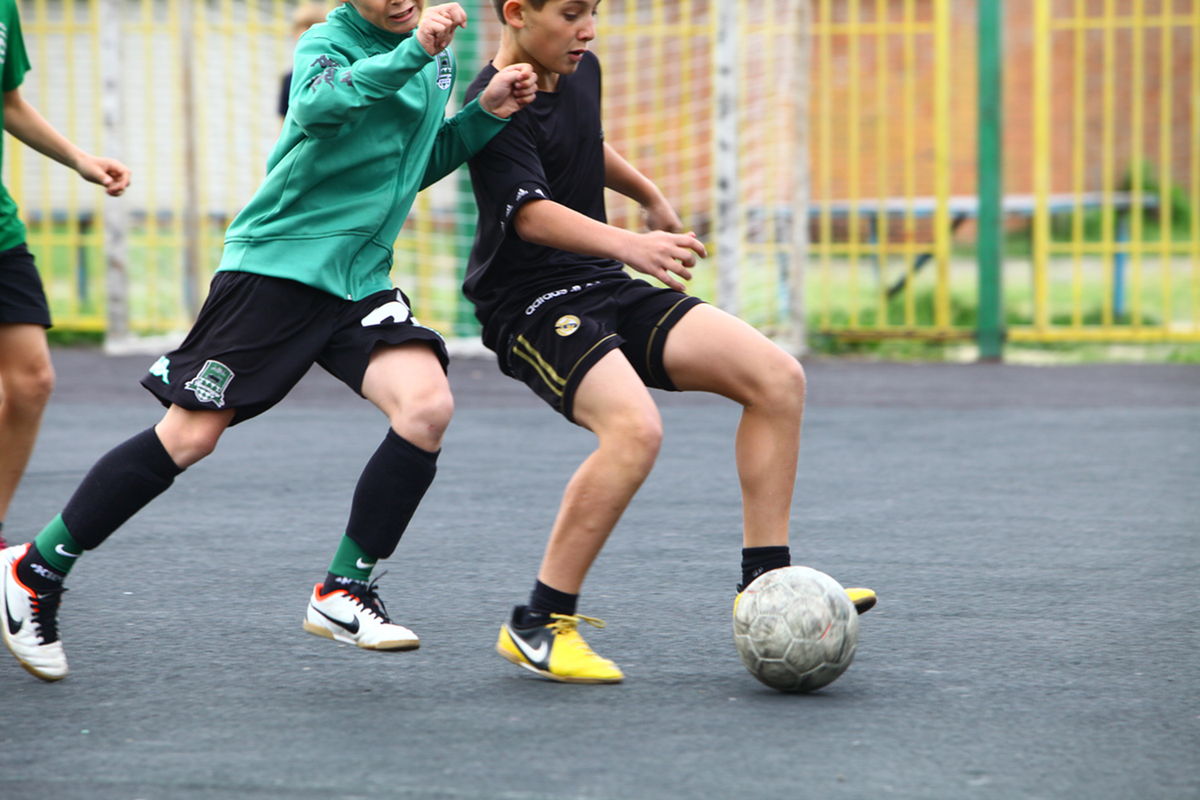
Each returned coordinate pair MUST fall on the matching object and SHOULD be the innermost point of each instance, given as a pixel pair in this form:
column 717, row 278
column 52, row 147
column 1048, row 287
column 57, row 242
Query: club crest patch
column 161, row 369
column 445, row 71
column 211, row 383
column 566, row 325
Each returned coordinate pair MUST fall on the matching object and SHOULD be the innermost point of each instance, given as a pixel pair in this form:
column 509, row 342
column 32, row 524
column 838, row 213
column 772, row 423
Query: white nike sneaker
column 354, row 614
column 30, row 620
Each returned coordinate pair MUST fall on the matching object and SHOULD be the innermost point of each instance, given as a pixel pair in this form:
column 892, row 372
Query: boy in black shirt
column 562, row 315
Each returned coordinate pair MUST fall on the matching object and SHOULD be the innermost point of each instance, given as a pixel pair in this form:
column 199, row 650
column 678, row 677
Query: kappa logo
column 161, row 369
column 566, row 325
column 396, row 311
column 211, row 383
column 445, row 71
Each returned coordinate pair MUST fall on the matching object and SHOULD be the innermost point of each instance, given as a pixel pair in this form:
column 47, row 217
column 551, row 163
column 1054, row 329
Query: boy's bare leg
column 26, row 381
column 189, row 436
column 612, row 403
column 711, row 351
column 407, row 383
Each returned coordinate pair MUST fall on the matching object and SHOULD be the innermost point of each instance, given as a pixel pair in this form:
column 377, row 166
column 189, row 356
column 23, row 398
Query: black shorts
column 256, row 337
column 22, row 298
column 554, row 342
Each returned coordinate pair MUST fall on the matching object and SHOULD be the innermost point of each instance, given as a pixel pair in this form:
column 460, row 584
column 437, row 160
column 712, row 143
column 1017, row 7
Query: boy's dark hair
column 499, row 6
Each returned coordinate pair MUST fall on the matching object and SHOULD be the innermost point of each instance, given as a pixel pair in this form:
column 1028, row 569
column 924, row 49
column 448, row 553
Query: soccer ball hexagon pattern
column 795, row 629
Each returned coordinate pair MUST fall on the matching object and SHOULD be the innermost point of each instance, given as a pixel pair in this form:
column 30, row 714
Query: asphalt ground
column 1033, row 535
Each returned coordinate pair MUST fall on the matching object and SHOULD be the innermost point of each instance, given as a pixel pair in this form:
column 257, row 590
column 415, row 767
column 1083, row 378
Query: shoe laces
column 369, row 598
column 45, row 613
column 565, row 623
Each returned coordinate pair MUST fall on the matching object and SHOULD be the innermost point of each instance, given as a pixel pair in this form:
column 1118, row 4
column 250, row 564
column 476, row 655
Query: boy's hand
column 509, row 90
column 108, row 172
column 436, row 30
column 659, row 254
column 661, row 217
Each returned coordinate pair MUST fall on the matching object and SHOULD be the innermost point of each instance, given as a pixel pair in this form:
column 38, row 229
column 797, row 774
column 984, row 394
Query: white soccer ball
column 795, row 629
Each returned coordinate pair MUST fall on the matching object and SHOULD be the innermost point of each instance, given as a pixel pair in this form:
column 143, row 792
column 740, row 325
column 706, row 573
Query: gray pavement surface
column 1033, row 535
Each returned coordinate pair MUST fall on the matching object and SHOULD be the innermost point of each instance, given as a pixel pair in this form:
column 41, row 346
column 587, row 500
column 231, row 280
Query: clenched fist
column 436, row 30
column 509, row 90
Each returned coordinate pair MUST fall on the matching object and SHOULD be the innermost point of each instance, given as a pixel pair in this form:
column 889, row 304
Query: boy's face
column 395, row 16
column 556, row 36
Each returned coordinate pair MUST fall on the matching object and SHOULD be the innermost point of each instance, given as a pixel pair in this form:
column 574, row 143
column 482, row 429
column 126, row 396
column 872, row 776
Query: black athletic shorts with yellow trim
column 560, row 339
column 256, row 337
column 22, row 298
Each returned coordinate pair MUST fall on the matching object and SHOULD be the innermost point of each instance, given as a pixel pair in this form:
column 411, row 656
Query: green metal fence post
column 990, row 322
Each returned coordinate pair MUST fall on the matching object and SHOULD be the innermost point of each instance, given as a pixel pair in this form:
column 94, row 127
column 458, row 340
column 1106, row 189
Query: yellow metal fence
column 1102, row 167
column 1101, row 172
column 1117, row 87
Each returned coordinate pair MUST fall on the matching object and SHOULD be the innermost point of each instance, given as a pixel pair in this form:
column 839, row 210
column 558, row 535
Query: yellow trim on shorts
column 543, row 369
column 654, row 333
column 590, row 350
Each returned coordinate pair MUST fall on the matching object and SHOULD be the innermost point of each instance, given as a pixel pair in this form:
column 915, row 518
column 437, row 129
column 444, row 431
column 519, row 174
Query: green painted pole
column 990, row 323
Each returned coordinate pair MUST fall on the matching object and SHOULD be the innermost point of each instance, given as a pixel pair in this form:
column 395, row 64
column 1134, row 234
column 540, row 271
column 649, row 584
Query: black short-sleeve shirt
column 553, row 149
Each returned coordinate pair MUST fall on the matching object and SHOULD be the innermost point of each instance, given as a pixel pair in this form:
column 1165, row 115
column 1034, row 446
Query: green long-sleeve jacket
column 365, row 131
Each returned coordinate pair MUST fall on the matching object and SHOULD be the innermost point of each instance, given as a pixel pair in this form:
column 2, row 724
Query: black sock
column 544, row 601
column 35, row 572
column 335, row 582
column 389, row 490
column 120, row 484
column 757, row 560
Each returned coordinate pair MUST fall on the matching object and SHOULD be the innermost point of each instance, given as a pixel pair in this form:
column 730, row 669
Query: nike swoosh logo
column 364, row 565
column 14, row 626
column 536, row 656
column 62, row 551
column 351, row 626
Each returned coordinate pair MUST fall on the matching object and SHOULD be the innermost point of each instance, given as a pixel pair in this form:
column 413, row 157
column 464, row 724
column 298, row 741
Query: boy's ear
column 514, row 13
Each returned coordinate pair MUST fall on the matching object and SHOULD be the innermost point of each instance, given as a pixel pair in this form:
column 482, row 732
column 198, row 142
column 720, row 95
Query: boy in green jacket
column 304, row 279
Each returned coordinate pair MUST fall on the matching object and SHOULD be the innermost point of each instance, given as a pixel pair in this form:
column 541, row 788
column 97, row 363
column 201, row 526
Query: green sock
column 351, row 561
column 57, row 547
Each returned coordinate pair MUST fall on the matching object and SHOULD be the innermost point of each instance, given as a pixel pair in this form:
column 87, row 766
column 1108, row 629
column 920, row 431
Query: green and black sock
column 350, row 561
column 48, row 560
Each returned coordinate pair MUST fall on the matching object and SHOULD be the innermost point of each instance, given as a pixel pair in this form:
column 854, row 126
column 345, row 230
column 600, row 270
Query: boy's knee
column 637, row 437
column 30, row 388
column 436, row 409
column 192, row 445
column 783, row 385
column 189, row 436
column 424, row 418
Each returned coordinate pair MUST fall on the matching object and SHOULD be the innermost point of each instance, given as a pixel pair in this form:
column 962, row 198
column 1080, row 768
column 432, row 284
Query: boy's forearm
column 551, row 224
column 25, row 123
column 460, row 138
column 623, row 178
